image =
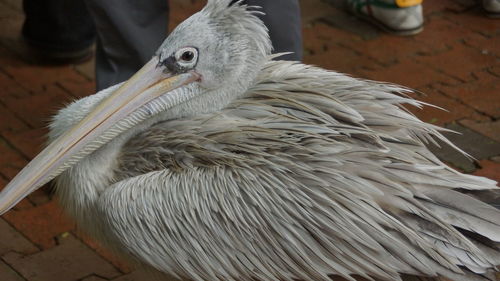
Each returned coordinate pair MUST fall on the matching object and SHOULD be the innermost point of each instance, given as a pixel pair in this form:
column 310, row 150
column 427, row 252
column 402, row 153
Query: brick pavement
column 455, row 62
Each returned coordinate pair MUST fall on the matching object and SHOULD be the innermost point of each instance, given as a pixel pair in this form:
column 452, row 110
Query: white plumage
column 271, row 170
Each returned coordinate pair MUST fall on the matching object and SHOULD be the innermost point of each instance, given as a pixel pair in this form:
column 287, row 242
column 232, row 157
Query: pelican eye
column 187, row 57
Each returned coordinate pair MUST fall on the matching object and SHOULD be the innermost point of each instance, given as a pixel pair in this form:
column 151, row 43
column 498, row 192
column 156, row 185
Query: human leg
column 282, row 18
column 129, row 32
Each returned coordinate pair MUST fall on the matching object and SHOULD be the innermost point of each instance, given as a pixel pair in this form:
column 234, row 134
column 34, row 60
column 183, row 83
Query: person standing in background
column 403, row 17
column 128, row 32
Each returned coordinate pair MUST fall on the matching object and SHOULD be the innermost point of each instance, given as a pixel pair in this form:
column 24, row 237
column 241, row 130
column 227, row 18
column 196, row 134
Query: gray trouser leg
column 129, row 32
column 282, row 18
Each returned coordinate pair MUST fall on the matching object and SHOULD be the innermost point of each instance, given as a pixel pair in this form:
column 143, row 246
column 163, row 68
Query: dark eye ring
column 187, row 56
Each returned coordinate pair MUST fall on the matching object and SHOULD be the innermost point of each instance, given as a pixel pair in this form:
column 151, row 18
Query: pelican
column 215, row 162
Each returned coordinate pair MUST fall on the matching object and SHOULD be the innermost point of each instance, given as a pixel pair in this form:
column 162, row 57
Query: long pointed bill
column 146, row 85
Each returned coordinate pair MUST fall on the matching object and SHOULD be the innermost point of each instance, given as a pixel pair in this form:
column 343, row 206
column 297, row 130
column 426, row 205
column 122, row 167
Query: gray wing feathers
column 309, row 175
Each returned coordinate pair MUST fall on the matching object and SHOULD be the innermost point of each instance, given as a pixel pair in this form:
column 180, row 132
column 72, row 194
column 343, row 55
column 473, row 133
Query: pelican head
column 207, row 61
column 222, row 43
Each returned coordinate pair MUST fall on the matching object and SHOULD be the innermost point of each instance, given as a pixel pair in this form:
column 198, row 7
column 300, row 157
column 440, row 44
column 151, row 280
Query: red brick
column 319, row 37
column 94, row 278
column 476, row 21
column 37, row 110
column 484, row 44
column 30, row 141
column 41, row 224
column 440, row 35
column 322, row 48
column 495, row 70
column 181, row 10
column 446, row 5
column 23, row 204
column 78, row 87
column 451, row 109
column 313, row 10
column 11, row 161
column 13, row 241
column 10, row 88
column 489, row 169
column 41, row 196
column 490, row 129
column 344, row 60
column 408, row 73
column 122, row 265
column 37, row 78
column 460, row 62
column 9, row 122
column 141, row 275
column 388, row 49
column 71, row 260
column 8, row 274
column 482, row 94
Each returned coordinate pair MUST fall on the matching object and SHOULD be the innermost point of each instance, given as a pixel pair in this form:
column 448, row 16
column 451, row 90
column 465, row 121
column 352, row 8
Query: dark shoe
column 59, row 30
column 52, row 54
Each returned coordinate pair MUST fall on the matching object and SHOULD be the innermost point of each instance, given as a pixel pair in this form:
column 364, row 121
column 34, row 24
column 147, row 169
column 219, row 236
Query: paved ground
column 455, row 62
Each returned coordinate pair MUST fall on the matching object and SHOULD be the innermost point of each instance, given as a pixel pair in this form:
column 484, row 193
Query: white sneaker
column 400, row 17
column 492, row 8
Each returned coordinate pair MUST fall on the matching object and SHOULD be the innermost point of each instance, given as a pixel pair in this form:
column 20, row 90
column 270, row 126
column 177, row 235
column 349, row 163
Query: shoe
column 492, row 8
column 399, row 17
column 58, row 31
column 53, row 54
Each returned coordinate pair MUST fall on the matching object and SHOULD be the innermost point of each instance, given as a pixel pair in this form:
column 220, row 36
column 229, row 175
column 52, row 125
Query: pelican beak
column 147, row 84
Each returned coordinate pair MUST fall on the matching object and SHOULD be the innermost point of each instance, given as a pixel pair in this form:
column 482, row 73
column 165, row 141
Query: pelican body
column 215, row 162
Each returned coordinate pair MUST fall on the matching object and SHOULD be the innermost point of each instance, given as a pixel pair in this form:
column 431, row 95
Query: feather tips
column 306, row 176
